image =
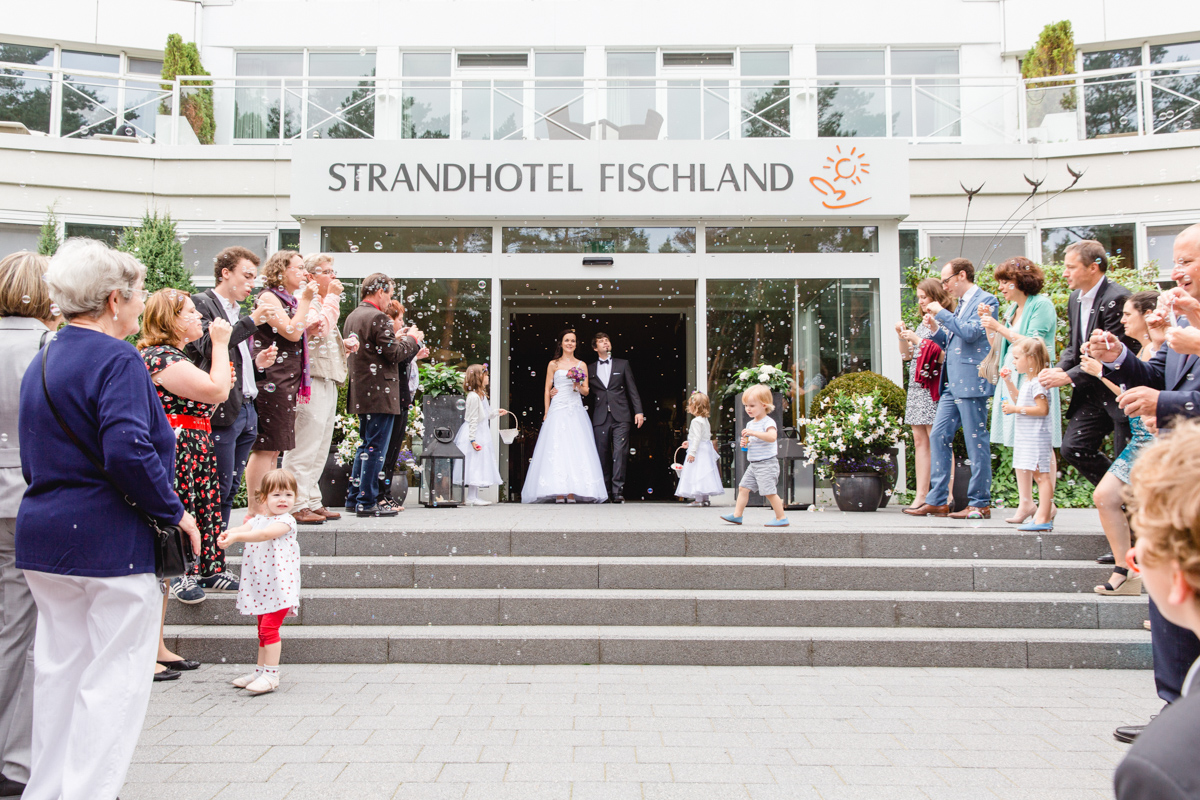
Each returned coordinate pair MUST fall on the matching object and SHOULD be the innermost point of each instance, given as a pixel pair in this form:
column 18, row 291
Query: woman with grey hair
column 88, row 555
column 26, row 319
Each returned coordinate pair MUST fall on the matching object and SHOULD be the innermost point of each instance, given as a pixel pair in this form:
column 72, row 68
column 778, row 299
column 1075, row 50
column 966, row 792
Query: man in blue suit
column 964, row 401
column 1164, row 389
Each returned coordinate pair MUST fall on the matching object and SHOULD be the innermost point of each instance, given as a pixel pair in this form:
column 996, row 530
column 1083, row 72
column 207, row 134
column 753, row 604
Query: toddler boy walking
column 760, row 440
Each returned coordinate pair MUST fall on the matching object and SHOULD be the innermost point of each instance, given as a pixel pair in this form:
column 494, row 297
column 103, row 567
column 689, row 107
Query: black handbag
column 173, row 555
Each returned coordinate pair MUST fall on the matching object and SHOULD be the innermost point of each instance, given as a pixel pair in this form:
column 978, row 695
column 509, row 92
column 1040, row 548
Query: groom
column 613, row 393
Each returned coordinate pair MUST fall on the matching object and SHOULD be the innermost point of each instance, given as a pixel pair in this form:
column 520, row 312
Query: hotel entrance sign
column 776, row 178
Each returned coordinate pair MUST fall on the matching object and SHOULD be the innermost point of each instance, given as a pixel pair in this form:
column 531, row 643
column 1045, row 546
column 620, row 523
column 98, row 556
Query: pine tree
column 48, row 237
column 154, row 244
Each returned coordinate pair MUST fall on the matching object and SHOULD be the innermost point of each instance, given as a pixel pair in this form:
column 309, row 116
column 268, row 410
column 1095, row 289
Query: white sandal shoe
column 262, row 684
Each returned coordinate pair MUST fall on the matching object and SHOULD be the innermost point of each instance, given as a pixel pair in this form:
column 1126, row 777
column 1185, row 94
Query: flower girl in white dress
column 474, row 438
column 565, row 467
column 700, row 477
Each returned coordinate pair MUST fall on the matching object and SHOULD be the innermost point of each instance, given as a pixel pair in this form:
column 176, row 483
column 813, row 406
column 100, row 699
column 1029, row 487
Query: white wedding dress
column 565, row 460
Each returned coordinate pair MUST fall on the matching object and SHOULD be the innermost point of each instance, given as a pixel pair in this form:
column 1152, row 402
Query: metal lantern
column 440, row 463
column 798, row 482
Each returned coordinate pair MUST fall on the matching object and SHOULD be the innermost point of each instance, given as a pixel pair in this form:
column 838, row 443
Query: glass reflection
column 1117, row 240
column 934, row 102
column 368, row 239
column 89, row 104
column 561, row 102
column 262, row 106
column 492, row 110
column 817, row 330
column 454, row 313
column 25, row 95
column 425, row 104
column 338, row 110
column 1110, row 101
column 850, row 106
column 817, row 239
column 599, row 240
column 631, row 103
column 1175, row 93
column 766, row 105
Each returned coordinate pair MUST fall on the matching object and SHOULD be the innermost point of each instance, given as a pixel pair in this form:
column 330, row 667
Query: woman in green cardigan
column 1029, row 313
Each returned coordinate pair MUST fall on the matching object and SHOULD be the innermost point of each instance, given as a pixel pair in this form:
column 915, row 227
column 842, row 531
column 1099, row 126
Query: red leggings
column 268, row 626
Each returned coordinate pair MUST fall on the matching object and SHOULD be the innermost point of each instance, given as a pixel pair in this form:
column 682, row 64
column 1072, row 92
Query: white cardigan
column 474, row 413
column 699, row 431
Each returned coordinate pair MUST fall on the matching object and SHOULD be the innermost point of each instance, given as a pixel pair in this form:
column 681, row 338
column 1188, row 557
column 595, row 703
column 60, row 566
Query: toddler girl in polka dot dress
column 270, row 587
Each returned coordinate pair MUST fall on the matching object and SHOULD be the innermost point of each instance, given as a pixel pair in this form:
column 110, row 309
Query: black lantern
column 799, row 486
column 440, row 463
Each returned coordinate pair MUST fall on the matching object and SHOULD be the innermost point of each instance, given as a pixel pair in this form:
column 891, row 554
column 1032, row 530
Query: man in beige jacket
column 314, row 419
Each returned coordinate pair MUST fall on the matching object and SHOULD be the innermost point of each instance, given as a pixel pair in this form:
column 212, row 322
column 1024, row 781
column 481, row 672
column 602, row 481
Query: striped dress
column 1031, row 441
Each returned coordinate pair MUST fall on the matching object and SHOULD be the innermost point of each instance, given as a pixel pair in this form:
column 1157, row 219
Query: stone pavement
column 368, row 731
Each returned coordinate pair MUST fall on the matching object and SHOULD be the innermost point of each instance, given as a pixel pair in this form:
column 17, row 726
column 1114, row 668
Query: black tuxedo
column 614, row 406
column 1175, row 375
column 1093, row 411
column 200, row 351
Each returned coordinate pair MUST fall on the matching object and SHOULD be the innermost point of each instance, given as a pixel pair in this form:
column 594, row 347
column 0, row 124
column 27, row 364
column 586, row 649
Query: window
column 926, row 107
column 89, row 103
column 340, row 109
column 289, row 239
column 982, row 250
column 697, row 59
column 599, row 240
column 1117, row 241
column 267, row 108
column 143, row 98
column 1175, row 92
column 766, row 105
column 14, row 238
column 456, row 315
column 631, row 102
column 200, row 251
column 25, row 94
column 475, row 60
column 426, row 104
column 560, row 103
column 109, row 234
column 1110, row 101
column 405, row 240
column 1160, row 247
column 827, row 239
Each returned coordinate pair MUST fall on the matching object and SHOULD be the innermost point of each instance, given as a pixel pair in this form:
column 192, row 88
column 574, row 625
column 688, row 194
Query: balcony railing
column 1135, row 101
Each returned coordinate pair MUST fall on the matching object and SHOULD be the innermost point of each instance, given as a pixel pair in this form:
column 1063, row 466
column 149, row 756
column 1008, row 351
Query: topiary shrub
column 859, row 383
column 195, row 104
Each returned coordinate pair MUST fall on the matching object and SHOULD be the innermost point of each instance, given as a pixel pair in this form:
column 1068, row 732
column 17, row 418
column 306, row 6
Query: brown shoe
column 306, row 516
column 973, row 512
column 327, row 514
column 926, row 510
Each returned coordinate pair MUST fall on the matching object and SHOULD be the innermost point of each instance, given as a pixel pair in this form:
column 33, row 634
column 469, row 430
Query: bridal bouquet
column 576, row 375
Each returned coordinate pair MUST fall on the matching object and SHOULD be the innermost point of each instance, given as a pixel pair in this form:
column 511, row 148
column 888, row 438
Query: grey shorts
column 761, row 476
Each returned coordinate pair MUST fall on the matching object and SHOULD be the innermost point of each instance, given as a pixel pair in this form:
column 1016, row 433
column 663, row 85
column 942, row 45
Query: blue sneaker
column 1040, row 527
column 732, row 518
column 219, row 582
column 185, row 590
column 778, row 523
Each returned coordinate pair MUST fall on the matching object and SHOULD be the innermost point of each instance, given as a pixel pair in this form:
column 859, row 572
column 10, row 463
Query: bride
column 565, row 466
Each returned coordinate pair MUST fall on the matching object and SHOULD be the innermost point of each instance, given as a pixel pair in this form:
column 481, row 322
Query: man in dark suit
column 1162, row 763
column 1096, row 303
column 235, row 422
column 614, row 396
column 374, row 391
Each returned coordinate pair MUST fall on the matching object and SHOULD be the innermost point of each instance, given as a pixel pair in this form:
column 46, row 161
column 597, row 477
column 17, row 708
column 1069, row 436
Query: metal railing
column 1134, row 101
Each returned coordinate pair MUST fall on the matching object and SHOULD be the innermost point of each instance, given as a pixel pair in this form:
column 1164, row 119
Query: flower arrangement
column 416, row 422
column 439, row 379
column 576, row 375
column 773, row 377
column 347, row 424
column 851, row 435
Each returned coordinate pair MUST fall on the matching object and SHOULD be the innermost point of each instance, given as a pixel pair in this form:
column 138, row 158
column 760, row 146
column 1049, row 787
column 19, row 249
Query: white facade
column 931, row 93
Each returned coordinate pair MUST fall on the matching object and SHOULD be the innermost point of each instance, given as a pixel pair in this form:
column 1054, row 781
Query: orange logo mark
column 849, row 168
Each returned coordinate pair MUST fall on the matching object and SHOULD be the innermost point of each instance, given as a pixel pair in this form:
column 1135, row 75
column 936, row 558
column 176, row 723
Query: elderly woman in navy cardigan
column 88, row 556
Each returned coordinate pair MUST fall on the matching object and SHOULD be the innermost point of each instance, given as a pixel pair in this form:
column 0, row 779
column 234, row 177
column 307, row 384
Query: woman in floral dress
column 189, row 396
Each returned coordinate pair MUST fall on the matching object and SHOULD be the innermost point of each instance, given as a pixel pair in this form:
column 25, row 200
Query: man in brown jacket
column 374, row 393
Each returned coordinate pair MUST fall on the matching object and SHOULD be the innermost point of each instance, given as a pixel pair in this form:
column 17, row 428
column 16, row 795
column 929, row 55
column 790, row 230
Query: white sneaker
column 263, row 683
column 481, row 502
column 245, row 680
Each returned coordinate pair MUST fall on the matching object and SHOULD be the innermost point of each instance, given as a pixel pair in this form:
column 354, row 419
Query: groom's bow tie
column 605, row 360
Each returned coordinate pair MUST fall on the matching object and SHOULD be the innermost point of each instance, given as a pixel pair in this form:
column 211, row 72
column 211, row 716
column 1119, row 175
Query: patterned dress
column 271, row 571
column 1031, row 444
column 920, row 408
column 195, row 461
column 1139, row 438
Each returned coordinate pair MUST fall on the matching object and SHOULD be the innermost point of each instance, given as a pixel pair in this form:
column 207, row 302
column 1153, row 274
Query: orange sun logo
column 849, row 167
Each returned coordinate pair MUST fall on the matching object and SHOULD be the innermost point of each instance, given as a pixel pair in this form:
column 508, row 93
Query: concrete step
column 670, row 572
column 690, row 607
column 932, row 539
column 777, row 646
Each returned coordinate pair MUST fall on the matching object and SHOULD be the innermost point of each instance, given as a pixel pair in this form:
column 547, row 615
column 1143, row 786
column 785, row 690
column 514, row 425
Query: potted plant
column 405, row 463
column 1050, row 106
column 780, row 383
column 442, row 396
column 849, row 443
column 892, row 397
column 335, row 478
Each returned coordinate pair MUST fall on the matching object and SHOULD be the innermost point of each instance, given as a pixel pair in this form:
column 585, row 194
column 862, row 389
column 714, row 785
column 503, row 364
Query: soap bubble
column 270, row 387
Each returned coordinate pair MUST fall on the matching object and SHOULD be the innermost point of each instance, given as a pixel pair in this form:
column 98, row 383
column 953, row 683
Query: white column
column 495, row 356
column 701, row 321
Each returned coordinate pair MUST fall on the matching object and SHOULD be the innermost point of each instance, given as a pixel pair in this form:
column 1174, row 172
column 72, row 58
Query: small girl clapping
column 1032, row 453
column 270, row 586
